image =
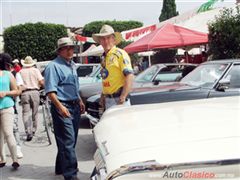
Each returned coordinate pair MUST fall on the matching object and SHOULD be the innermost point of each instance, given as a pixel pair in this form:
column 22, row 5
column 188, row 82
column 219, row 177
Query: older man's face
column 107, row 42
column 67, row 52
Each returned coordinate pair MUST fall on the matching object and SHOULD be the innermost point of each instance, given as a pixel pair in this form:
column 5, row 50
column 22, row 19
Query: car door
column 232, row 79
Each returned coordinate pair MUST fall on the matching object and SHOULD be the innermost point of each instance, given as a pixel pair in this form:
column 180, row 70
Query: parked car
column 42, row 65
column 159, row 74
column 163, row 74
column 151, row 141
column 89, row 73
column 210, row 79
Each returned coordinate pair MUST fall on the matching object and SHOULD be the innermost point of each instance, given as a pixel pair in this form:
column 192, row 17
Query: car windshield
column 205, row 75
column 171, row 73
column 88, row 70
column 147, row 75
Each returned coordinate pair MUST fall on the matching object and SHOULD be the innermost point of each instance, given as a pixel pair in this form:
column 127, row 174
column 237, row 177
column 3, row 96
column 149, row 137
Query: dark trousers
column 66, row 132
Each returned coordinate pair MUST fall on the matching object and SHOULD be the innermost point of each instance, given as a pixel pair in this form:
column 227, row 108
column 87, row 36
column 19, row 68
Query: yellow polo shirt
column 116, row 65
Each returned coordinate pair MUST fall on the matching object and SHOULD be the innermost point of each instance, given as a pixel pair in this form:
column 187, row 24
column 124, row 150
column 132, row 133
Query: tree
column 38, row 40
column 168, row 10
column 118, row 26
column 224, row 35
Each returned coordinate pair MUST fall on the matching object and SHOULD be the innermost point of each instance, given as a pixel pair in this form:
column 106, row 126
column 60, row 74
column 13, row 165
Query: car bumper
column 92, row 119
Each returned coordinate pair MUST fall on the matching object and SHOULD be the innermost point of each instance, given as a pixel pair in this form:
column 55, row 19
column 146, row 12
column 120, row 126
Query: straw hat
column 107, row 30
column 28, row 61
column 63, row 42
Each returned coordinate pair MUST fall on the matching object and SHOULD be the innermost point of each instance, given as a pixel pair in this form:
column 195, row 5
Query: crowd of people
column 62, row 87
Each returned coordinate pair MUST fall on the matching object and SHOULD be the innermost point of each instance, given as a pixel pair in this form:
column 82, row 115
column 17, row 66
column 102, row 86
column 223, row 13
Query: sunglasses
column 69, row 48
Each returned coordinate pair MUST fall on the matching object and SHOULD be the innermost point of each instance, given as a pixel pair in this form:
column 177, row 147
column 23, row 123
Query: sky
column 77, row 13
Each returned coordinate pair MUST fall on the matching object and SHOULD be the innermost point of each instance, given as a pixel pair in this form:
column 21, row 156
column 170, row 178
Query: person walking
column 30, row 97
column 62, row 88
column 117, row 72
column 19, row 81
column 16, row 65
column 8, row 90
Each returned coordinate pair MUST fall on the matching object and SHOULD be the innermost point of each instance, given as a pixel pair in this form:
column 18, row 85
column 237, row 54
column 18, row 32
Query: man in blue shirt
column 62, row 88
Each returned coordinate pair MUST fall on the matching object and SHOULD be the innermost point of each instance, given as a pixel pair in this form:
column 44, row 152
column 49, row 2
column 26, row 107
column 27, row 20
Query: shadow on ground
column 33, row 172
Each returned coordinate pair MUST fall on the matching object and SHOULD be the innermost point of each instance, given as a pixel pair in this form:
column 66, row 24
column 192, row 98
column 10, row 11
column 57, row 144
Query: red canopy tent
column 168, row 36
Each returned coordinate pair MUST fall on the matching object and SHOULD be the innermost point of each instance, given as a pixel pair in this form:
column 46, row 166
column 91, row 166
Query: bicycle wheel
column 46, row 124
column 50, row 120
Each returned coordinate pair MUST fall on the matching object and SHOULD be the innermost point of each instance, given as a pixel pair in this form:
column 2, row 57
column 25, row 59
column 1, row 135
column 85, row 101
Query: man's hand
column 122, row 99
column 82, row 107
column 3, row 94
column 64, row 111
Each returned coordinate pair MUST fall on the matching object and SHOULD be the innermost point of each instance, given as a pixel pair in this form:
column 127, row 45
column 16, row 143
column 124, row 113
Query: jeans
column 66, row 132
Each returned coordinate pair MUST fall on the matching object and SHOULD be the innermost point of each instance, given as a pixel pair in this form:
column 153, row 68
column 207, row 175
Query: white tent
column 200, row 21
column 195, row 21
column 93, row 51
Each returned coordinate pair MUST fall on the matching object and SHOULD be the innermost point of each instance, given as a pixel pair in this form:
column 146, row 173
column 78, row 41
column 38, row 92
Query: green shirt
column 7, row 101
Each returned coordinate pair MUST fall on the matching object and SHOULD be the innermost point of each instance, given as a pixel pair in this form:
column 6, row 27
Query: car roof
column 222, row 61
column 175, row 64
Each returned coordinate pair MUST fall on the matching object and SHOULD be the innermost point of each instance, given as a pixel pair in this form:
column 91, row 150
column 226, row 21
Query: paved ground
column 39, row 157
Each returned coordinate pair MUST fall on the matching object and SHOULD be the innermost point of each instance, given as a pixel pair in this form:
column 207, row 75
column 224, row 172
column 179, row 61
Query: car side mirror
column 156, row 82
column 223, row 84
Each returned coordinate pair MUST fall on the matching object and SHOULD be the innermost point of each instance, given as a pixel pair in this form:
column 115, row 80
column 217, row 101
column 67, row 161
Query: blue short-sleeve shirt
column 61, row 77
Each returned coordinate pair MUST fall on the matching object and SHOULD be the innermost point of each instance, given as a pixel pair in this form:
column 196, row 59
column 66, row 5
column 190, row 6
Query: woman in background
column 8, row 90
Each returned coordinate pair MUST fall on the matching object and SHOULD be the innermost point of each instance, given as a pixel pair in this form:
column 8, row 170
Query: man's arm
column 51, row 84
column 126, row 88
column 41, row 83
column 63, row 110
column 82, row 106
column 40, row 78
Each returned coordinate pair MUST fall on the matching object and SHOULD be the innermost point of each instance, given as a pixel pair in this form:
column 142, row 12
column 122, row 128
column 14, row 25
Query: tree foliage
column 224, row 35
column 38, row 40
column 118, row 26
column 168, row 10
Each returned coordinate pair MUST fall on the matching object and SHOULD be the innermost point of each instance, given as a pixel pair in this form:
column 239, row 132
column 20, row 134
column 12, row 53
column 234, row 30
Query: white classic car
column 189, row 139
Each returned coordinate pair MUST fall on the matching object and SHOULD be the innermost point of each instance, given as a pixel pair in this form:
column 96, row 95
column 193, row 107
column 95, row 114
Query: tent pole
column 149, row 60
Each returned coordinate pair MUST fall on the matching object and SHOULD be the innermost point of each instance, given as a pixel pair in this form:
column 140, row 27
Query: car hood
column 176, row 132
column 149, row 88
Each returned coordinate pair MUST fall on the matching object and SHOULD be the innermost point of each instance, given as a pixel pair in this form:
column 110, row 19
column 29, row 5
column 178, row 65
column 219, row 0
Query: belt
column 116, row 94
column 71, row 102
column 30, row 90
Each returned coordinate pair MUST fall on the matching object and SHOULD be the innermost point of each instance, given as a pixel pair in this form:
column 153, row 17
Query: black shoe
column 29, row 137
column 15, row 165
column 72, row 178
column 75, row 178
column 58, row 173
column 2, row 164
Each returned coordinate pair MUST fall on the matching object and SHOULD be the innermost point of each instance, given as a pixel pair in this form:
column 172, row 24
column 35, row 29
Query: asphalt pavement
column 39, row 157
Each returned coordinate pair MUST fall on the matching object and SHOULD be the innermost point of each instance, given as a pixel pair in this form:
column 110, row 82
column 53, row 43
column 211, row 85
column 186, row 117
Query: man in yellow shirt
column 117, row 72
